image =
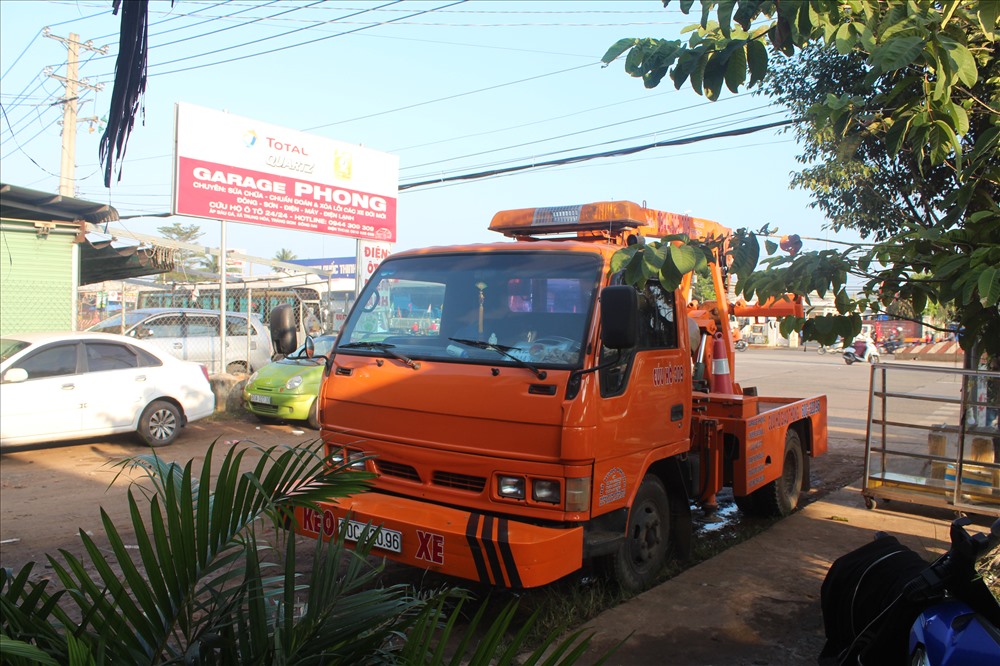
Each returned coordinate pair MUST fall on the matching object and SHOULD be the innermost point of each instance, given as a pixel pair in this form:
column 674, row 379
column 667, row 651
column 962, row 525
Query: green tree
column 931, row 99
column 284, row 254
column 184, row 260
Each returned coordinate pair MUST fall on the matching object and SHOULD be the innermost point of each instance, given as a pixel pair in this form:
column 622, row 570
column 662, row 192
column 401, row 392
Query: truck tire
column 160, row 423
column 642, row 554
column 781, row 496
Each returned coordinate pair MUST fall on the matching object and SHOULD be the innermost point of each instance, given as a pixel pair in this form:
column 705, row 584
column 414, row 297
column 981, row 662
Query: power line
column 290, row 46
column 708, row 123
column 575, row 133
column 449, row 97
column 611, row 153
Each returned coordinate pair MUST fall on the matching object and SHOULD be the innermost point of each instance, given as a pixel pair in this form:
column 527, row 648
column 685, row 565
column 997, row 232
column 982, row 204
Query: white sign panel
column 370, row 255
column 231, row 168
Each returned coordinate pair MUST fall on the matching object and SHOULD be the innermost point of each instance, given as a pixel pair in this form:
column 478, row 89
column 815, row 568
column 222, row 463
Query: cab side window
column 657, row 330
column 53, row 361
column 657, row 323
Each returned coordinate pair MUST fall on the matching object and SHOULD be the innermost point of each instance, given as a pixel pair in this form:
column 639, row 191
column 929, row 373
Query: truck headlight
column 545, row 490
column 511, row 487
column 354, row 459
column 578, row 494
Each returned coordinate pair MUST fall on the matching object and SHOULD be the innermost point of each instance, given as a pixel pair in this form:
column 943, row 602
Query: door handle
column 677, row 412
column 140, row 378
column 68, row 387
column 177, row 345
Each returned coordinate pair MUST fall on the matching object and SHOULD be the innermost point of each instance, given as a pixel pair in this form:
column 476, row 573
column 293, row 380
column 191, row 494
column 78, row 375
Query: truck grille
column 400, row 470
column 460, row 481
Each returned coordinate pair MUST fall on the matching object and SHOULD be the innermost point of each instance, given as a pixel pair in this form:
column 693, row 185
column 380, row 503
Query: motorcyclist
column 868, row 347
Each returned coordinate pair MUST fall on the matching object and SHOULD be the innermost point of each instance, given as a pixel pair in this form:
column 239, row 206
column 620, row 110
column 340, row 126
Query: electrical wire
column 18, row 58
column 579, row 132
column 313, row 41
column 592, row 156
column 23, row 152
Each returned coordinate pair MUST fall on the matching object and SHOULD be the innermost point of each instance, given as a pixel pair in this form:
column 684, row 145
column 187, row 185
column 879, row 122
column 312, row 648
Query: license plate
column 262, row 399
column 386, row 540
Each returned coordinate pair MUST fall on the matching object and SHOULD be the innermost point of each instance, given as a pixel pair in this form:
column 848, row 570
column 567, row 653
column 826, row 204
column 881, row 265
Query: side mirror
column 281, row 322
column 310, row 347
column 619, row 317
column 15, row 376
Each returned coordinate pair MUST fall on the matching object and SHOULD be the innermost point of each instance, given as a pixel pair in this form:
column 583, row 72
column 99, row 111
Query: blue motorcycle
column 883, row 604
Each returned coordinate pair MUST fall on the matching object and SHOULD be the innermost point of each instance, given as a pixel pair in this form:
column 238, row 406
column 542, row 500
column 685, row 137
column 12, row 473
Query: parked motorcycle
column 741, row 345
column 861, row 351
column 883, row 604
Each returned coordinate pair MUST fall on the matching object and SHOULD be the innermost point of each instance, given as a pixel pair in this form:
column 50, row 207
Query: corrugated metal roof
column 102, row 257
column 21, row 203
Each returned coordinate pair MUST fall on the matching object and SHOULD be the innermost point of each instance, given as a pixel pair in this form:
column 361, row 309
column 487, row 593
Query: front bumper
column 485, row 548
column 295, row 407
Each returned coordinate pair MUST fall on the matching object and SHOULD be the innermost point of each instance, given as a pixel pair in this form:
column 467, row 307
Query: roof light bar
column 604, row 215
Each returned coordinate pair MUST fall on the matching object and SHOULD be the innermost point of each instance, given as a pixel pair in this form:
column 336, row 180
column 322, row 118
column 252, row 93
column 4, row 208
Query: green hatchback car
column 287, row 390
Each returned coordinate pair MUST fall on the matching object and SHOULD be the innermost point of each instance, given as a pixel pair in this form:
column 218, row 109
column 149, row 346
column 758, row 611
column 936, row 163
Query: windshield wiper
column 501, row 349
column 382, row 347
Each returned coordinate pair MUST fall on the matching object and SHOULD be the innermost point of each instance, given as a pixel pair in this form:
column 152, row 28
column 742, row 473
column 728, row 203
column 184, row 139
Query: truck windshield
column 535, row 306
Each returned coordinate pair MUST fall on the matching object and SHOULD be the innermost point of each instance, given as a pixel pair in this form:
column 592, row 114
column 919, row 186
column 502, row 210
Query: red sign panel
column 207, row 189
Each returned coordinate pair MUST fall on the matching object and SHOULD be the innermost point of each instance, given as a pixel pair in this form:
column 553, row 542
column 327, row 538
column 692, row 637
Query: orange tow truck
column 550, row 414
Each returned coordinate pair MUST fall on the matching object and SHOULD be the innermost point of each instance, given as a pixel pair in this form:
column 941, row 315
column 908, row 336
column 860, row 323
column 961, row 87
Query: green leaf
column 756, row 61
column 770, row 246
column 715, row 72
column 989, row 286
column 736, row 69
column 618, row 48
column 962, row 62
column 843, row 302
column 725, row 15
column 897, row 53
column 845, row 39
column 621, row 258
column 989, row 13
column 684, row 258
column 746, row 254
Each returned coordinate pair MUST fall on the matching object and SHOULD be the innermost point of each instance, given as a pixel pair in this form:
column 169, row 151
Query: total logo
column 250, row 138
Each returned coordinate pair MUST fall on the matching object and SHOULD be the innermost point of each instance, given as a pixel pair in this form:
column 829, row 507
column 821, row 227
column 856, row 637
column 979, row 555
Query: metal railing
column 932, row 437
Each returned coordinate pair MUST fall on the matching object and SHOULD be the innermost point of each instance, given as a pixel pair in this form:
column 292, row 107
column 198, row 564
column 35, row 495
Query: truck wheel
column 781, row 496
column 314, row 414
column 647, row 543
column 160, row 423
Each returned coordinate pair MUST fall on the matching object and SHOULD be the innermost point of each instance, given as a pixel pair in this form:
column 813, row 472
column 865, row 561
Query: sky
column 449, row 87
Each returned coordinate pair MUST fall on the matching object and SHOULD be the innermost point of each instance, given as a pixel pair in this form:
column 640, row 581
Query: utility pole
column 67, row 170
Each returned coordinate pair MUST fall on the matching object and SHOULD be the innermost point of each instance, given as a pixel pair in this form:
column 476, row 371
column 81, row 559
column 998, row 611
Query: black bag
column 865, row 618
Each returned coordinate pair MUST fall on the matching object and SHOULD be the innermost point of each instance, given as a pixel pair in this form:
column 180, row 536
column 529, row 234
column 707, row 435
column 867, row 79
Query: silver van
column 193, row 335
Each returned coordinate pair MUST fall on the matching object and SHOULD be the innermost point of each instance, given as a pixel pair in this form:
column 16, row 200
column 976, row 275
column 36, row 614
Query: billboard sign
column 337, row 267
column 231, row 168
column 370, row 255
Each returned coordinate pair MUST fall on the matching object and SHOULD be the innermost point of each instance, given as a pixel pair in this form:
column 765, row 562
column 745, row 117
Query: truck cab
column 533, row 411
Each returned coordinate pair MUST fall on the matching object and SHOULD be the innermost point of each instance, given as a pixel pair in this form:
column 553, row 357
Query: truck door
column 646, row 398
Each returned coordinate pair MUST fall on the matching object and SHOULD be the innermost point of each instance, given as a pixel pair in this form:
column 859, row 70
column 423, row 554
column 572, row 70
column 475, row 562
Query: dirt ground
column 48, row 493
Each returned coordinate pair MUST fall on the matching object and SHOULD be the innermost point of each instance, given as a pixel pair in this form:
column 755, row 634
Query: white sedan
column 56, row 386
